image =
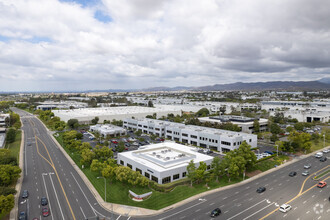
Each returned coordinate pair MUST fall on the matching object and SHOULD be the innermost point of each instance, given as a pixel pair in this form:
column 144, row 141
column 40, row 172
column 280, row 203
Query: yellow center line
column 51, row 163
column 300, row 192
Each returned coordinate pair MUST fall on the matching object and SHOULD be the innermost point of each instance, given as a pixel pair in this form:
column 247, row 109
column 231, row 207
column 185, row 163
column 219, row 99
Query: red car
column 321, row 184
column 114, row 141
column 45, row 212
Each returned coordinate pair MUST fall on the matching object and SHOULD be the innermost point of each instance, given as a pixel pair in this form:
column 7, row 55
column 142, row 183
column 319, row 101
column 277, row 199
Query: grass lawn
column 118, row 192
column 15, row 146
column 268, row 164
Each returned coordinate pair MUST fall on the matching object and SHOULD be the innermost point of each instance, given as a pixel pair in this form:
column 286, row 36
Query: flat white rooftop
column 165, row 156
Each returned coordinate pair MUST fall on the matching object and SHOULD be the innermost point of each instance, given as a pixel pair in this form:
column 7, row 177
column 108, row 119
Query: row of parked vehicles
column 43, row 201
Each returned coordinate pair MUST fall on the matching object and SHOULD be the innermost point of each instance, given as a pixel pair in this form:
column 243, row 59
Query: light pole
column 277, row 149
column 323, row 140
column 105, row 187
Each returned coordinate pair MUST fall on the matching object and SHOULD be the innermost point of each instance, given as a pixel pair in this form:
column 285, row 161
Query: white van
column 319, row 155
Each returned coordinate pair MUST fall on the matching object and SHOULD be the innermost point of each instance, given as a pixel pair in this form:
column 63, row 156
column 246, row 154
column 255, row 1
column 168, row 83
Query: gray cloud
column 59, row 45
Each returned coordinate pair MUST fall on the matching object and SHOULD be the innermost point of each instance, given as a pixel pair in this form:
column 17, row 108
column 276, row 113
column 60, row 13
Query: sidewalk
column 125, row 210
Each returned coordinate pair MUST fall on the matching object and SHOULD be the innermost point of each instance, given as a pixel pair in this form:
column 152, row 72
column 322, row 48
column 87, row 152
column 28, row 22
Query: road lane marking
column 83, row 193
column 50, row 207
column 50, row 176
column 258, row 211
column 166, row 217
column 197, row 210
column 246, row 209
column 118, row 217
column 83, row 212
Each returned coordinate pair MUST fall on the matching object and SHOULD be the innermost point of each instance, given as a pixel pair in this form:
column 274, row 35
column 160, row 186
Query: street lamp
column 323, row 140
column 105, row 187
column 277, row 149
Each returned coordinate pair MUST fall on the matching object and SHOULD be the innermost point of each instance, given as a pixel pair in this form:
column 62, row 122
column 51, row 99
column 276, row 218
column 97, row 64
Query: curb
column 18, row 187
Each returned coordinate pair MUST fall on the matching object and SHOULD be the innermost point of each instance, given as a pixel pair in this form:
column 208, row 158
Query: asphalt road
column 243, row 202
column 48, row 173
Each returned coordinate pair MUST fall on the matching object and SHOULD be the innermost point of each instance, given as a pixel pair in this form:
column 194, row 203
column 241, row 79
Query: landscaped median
column 162, row 195
column 321, row 175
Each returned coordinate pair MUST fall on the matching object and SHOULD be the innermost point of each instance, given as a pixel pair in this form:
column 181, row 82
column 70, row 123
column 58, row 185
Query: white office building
column 215, row 139
column 164, row 162
column 245, row 123
column 108, row 130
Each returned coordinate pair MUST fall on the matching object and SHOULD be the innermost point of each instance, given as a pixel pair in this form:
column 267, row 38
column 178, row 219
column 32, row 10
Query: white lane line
column 25, row 161
column 197, row 210
column 246, row 209
column 181, row 210
column 224, row 198
column 83, row 213
column 129, row 217
column 319, row 217
column 212, row 203
column 304, row 201
column 50, row 207
column 118, row 217
column 50, row 176
column 258, row 211
column 83, row 193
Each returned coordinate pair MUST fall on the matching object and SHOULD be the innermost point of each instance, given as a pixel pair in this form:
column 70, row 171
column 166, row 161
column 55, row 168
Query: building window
column 168, row 131
column 129, row 165
column 184, row 174
column 140, row 171
column 208, row 167
column 147, row 175
column 157, row 129
column 166, row 180
column 185, row 135
column 225, row 143
column 250, row 140
column 153, row 178
column 121, row 162
column 193, row 136
column 176, row 176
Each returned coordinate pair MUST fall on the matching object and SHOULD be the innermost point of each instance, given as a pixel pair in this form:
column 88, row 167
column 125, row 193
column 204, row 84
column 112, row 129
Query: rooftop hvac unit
column 163, row 152
column 167, row 158
column 158, row 156
column 154, row 153
column 169, row 150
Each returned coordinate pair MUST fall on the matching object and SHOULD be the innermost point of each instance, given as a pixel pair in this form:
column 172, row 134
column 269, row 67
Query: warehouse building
column 85, row 115
column 164, row 162
column 215, row 139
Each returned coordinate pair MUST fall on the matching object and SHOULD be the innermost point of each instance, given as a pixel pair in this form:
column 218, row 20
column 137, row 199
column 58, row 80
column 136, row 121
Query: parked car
column 261, row 189
column 44, row 201
column 269, row 152
column 307, row 166
column 25, row 194
column 114, row 141
column 326, row 151
column 160, row 139
column 293, row 173
column 323, row 159
column 22, row 216
column 127, row 144
column 215, row 212
column 45, row 212
column 285, row 208
column 321, row 184
column 305, row 173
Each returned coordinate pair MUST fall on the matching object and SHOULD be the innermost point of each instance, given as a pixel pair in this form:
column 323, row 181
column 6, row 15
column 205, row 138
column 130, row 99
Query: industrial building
column 245, row 123
column 108, row 130
column 164, row 162
column 215, row 139
column 84, row 116
column 49, row 105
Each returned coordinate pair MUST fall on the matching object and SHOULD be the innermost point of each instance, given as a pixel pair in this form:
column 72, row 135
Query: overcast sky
column 127, row 44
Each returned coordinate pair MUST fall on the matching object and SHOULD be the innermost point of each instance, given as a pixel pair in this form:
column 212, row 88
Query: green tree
column 109, row 172
column 6, row 203
column 95, row 120
column 249, row 156
column 216, row 167
column 73, row 123
column 299, row 126
column 201, row 171
column 121, row 146
column 11, row 135
column 8, row 174
column 102, row 152
column 97, row 166
column 275, row 129
column 236, row 166
column 256, row 126
column 191, row 171
column 150, row 104
column 203, row 112
column 86, row 157
column 122, row 173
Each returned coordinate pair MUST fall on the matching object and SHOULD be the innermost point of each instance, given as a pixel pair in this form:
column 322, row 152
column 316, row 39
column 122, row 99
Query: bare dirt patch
column 253, row 173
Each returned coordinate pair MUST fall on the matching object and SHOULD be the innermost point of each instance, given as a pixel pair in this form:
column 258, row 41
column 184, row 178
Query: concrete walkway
column 136, row 211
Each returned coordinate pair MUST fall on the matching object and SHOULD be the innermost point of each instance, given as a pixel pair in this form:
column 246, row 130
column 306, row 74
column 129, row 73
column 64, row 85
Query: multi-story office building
column 215, row 139
column 108, row 130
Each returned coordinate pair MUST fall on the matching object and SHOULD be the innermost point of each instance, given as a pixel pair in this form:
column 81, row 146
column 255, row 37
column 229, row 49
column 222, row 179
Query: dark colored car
column 269, row 152
column 292, row 174
column 45, row 212
column 215, row 212
column 25, row 194
column 22, row 216
column 261, row 189
column 127, row 144
column 44, row 201
column 323, row 159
